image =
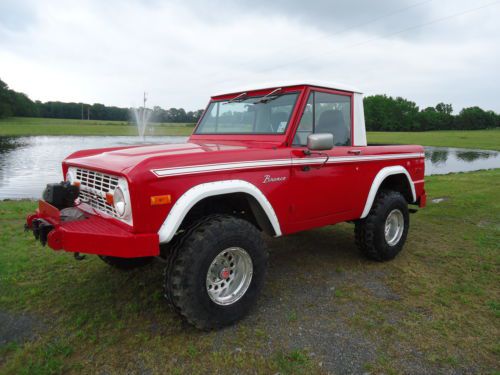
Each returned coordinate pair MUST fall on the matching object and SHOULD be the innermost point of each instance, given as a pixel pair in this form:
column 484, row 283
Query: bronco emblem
column 268, row 178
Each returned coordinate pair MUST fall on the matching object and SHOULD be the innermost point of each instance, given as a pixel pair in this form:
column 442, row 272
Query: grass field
column 434, row 309
column 478, row 139
column 39, row 126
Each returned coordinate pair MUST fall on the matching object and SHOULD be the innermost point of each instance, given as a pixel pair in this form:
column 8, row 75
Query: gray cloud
column 333, row 17
column 183, row 51
column 341, row 16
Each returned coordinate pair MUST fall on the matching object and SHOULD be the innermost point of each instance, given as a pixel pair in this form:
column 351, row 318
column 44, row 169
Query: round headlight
column 119, row 202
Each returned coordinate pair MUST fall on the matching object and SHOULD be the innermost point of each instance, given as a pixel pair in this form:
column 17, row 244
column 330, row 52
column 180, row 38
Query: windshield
column 254, row 115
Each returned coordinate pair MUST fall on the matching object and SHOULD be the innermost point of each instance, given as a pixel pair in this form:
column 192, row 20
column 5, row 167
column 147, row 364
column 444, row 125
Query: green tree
column 444, row 108
column 5, row 107
column 475, row 118
column 382, row 113
column 385, row 113
column 436, row 118
column 21, row 105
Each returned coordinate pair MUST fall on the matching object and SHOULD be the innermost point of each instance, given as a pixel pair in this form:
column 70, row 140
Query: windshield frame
column 250, row 96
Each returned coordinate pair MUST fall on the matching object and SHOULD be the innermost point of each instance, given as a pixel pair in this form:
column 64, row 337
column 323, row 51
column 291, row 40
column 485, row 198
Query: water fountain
column 142, row 116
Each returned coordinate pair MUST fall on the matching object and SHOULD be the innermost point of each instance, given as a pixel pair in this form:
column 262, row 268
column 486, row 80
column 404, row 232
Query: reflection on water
column 27, row 164
column 437, row 157
column 9, row 143
column 474, row 155
column 442, row 160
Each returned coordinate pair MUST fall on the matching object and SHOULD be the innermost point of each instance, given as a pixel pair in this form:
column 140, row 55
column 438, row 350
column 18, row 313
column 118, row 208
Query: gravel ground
column 18, row 328
column 299, row 308
column 303, row 307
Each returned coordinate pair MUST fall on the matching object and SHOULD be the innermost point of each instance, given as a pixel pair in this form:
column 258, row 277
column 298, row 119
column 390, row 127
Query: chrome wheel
column 229, row 276
column 394, row 227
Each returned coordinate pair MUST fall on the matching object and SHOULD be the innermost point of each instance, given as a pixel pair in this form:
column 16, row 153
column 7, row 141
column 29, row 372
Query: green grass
column 98, row 319
column 478, row 139
column 449, row 281
column 40, row 126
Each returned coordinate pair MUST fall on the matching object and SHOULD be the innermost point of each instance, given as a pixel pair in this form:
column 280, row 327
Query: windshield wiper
column 237, row 98
column 271, row 96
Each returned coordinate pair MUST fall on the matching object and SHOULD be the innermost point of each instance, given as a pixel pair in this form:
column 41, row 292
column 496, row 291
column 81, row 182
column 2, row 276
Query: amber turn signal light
column 160, row 199
column 109, row 198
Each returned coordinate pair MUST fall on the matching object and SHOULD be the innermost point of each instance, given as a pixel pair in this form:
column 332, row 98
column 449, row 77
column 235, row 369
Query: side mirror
column 320, row 141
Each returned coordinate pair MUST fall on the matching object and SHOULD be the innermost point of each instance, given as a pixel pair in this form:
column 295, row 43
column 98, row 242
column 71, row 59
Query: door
column 324, row 184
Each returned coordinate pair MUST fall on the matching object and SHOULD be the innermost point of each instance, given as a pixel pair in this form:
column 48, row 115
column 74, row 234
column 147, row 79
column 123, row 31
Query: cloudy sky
column 182, row 51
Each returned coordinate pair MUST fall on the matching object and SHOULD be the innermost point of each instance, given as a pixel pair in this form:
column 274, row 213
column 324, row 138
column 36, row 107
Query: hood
column 123, row 159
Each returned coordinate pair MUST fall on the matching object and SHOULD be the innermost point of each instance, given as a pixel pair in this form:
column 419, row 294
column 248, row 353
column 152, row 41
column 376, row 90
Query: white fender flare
column 377, row 181
column 197, row 193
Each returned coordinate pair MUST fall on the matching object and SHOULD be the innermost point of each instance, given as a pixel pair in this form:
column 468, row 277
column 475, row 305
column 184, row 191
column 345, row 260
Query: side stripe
column 219, row 167
column 351, row 159
column 194, row 169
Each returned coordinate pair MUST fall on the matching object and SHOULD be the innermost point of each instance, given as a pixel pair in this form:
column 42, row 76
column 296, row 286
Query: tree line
column 14, row 103
column 382, row 113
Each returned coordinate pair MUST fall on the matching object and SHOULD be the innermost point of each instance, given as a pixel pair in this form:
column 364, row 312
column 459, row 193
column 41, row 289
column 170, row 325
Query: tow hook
column 41, row 230
column 78, row 256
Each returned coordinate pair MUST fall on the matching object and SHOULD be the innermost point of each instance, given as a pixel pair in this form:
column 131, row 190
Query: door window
column 326, row 113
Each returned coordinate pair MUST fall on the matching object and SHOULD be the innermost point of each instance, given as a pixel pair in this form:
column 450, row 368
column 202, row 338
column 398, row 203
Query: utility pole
column 88, row 113
column 82, row 111
column 144, row 110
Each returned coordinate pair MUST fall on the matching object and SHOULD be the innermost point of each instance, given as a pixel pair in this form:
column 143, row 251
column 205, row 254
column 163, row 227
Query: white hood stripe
column 253, row 164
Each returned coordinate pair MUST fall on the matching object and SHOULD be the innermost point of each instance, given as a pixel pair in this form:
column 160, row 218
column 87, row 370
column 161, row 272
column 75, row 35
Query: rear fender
column 379, row 179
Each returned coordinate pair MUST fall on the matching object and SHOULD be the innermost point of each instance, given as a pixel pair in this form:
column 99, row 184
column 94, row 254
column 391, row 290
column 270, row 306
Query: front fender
column 195, row 194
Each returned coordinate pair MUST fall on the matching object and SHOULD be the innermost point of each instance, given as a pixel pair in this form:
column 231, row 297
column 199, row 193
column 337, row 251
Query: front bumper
column 92, row 234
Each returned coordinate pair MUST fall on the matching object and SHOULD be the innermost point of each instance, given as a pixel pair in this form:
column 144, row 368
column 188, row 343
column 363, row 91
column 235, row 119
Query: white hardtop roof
column 271, row 85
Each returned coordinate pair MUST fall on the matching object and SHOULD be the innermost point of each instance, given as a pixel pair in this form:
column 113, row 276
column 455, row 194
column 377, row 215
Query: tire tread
column 365, row 229
column 185, row 248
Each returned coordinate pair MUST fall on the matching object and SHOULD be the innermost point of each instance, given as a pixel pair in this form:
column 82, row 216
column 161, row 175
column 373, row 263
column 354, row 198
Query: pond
column 443, row 160
column 27, row 164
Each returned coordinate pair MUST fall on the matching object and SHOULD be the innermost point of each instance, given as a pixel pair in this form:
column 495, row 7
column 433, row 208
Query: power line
column 349, row 28
column 373, row 20
column 356, row 26
column 424, row 24
column 401, row 31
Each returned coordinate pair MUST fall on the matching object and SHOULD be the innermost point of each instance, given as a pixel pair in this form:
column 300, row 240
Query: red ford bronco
column 278, row 160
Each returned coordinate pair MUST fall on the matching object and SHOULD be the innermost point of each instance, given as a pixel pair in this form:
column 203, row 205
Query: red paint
column 303, row 200
column 422, row 201
column 97, row 235
column 48, row 212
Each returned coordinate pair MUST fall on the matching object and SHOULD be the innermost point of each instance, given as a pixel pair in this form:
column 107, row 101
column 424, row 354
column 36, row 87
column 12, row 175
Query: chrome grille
column 93, row 188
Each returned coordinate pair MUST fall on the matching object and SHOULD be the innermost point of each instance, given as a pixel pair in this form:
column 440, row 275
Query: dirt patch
column 440, row 199
column 18, row 327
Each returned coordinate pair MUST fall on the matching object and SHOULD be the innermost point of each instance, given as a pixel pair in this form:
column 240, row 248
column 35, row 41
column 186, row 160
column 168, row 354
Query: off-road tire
column 369, row 232
column 189, row 261
column 126, row 264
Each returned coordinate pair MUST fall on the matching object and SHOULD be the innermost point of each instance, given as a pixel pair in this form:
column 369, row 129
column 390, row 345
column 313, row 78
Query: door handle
column 354, row 152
